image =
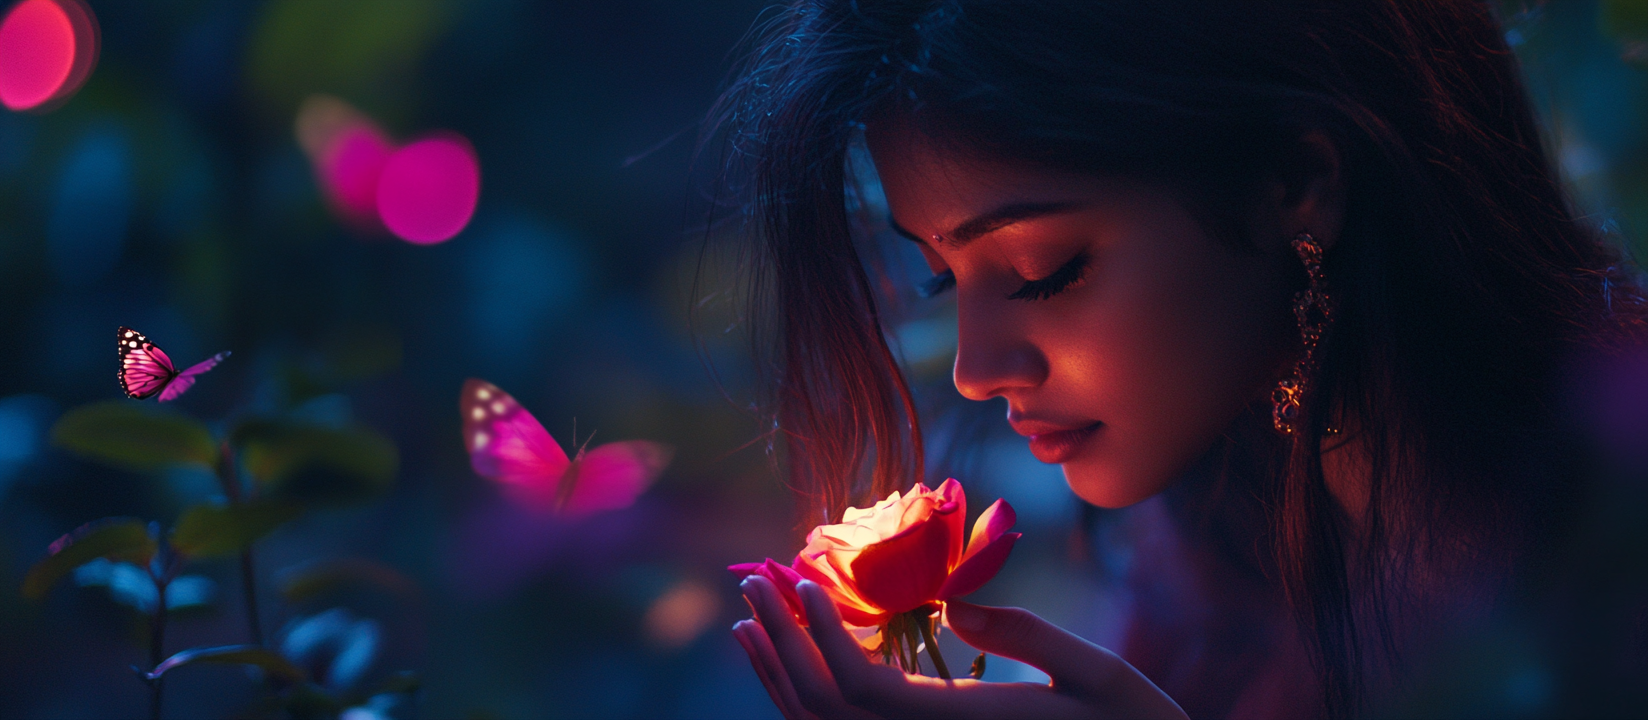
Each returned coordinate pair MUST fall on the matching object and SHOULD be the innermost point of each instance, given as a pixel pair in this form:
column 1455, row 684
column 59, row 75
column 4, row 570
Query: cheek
column 1167, row 358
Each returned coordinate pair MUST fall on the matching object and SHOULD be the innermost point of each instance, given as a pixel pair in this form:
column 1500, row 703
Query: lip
column 1055, row 444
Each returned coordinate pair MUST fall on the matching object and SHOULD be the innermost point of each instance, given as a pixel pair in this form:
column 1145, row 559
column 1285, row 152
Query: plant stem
column 248, row 577
column 926, row 625
column 157, row 647
column 248, row 585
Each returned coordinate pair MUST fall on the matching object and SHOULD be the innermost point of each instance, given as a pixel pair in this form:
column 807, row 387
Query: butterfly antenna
column 586, row 442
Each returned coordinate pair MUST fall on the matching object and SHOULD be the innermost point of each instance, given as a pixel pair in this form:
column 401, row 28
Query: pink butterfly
column 508, row 445
column 145, row 370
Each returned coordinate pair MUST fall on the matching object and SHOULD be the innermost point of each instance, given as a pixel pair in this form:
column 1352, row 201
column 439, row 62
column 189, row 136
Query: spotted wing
column 186, row 379
column 144, row 369
column 506, row 444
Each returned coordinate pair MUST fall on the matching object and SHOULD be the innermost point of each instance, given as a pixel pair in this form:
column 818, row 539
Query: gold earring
column 1313, row 310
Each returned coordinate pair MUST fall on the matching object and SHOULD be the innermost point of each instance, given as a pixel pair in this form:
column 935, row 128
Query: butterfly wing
column 508, row 445
column 186, row 379
column 612, row 476
column 144, row 369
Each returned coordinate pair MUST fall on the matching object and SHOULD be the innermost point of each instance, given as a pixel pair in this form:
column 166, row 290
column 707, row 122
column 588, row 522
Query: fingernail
column 964, row 617
column 809, row 591
column 741, row 634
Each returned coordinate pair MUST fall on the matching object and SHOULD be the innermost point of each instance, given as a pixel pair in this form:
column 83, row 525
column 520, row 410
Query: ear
column 1308, row 194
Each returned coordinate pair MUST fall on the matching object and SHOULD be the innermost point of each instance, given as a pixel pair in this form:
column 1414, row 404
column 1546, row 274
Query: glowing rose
column 902, row 557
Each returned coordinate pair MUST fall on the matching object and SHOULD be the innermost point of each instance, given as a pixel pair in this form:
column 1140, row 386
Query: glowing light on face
column 428, row 189
column 47, row 50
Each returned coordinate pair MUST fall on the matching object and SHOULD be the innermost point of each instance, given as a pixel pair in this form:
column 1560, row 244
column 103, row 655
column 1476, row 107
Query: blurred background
column 176, row 192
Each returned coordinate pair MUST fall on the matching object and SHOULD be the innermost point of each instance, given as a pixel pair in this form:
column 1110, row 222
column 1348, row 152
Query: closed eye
column 1062, row 279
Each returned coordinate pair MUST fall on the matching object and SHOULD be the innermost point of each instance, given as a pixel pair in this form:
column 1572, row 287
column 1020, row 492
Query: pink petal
column 903, row 572
column 995, row 520
column 950, row 493
column 853, row 608
column 977, row 570
column 785, row 579
column 782, row 577
column 744, row 570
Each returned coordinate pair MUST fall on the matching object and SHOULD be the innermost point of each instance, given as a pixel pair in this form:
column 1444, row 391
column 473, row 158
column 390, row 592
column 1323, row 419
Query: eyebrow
column 991, row 221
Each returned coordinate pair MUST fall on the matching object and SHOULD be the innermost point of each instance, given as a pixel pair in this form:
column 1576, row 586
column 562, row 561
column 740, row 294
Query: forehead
column 933, row 185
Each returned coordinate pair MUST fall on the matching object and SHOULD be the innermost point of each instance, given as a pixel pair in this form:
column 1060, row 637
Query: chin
column 1109, row 487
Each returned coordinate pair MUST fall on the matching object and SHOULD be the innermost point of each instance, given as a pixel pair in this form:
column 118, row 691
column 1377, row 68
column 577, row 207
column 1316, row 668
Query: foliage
column 267, row 661
column 211, row 530
column 132, row 437
column 316, row 464
column 270, row 470
column 110, row 538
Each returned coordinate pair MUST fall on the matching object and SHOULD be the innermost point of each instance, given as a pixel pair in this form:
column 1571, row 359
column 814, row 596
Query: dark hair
column 1463, row 279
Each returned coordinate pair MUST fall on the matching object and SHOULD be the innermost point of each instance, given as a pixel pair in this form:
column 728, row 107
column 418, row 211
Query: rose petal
column 853, row 608
column 995, row 520
column 977, row 570
column 782, row 577
column 949, row 493
column 744, row 570
column 785, row 579
column 902, row 573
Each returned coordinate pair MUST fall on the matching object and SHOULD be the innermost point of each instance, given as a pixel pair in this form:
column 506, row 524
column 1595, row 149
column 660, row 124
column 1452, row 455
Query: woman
column 1304, row 267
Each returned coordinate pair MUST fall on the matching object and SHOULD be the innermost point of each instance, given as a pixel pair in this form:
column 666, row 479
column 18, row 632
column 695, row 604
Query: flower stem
column 912, row 648
column 926, row 626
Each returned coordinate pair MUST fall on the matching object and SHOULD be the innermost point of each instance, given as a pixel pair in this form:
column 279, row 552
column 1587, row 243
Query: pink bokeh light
column 428, row 189
column 349, row 170
column 47, row 50
column 347, row 150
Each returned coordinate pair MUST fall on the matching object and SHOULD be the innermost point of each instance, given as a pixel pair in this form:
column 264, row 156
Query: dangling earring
column 1313, row 310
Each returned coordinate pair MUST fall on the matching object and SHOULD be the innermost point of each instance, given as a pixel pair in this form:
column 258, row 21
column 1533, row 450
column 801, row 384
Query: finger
column 887, row 691
column 855, row 676
column 765, row 660
column 794, row 649
column 760, row 668
column 1073, row 663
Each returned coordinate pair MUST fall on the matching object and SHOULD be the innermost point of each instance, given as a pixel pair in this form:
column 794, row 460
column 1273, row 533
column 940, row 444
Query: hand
column 821, row 671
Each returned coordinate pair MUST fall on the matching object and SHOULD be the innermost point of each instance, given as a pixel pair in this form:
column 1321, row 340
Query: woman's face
column 1123, row 336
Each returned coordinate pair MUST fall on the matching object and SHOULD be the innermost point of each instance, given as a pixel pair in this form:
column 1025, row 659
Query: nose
column 994, row 355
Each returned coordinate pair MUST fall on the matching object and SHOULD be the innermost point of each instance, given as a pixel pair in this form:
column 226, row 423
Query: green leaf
column 312, row 463
column 208, row 530
column 120, row 539
column 270, row 662
column 312, row 580
column 129, row 436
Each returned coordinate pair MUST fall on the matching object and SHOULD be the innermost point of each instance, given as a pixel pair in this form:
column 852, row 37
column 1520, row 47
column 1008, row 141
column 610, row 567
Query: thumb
column 1072, row 663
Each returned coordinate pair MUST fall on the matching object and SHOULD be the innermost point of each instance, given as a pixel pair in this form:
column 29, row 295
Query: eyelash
column 1069, row 274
